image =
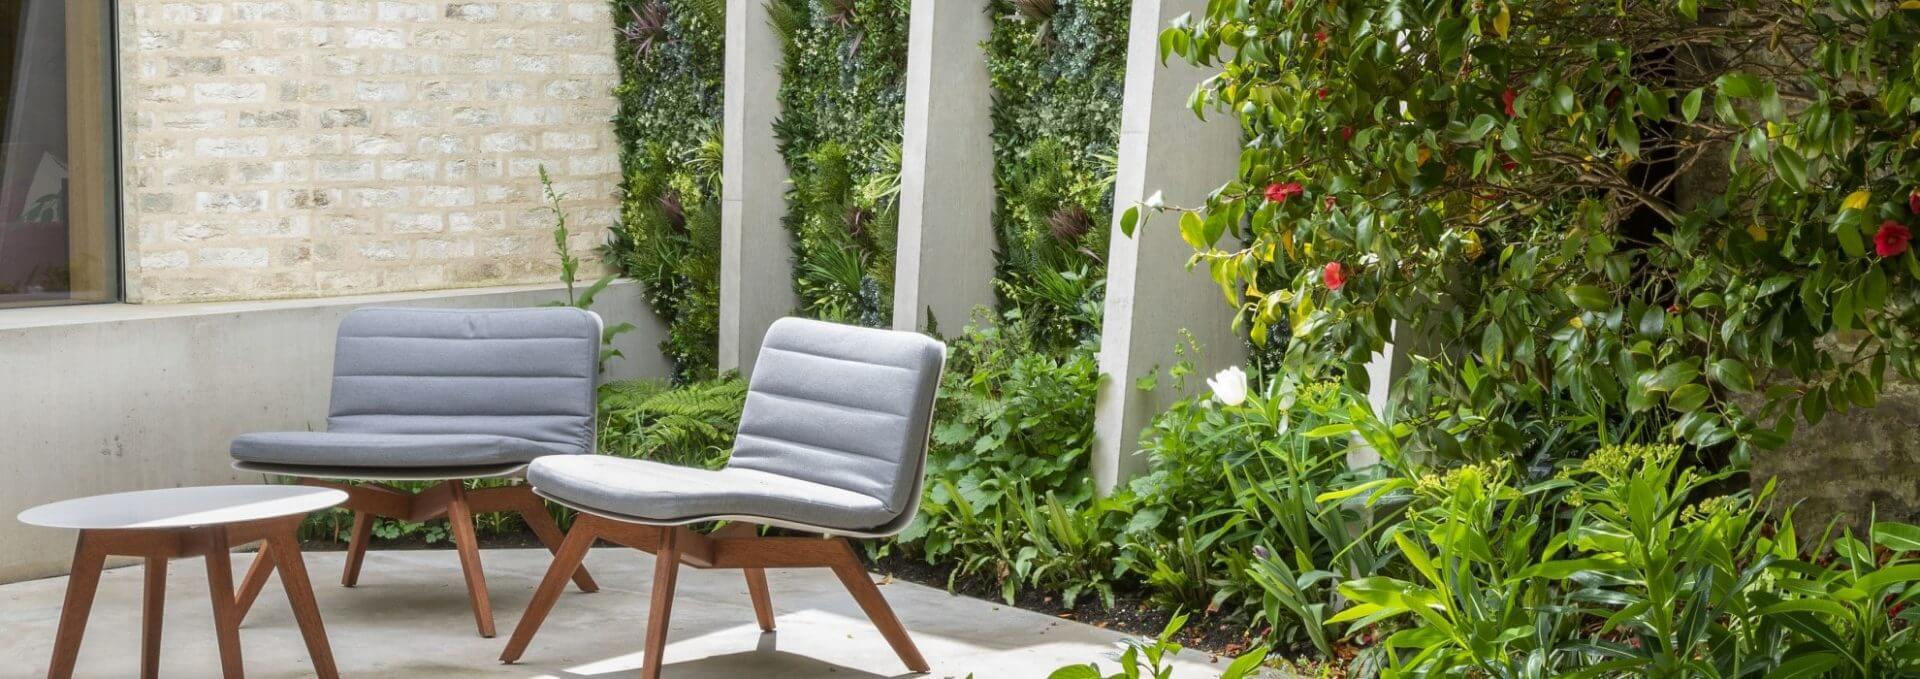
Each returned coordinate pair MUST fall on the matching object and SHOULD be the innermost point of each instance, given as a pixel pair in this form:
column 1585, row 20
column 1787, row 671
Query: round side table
column 180, row 523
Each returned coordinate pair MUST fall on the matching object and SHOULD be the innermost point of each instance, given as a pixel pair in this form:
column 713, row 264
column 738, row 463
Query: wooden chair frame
column 451, row 499
column 280, row 551
column 738, row 545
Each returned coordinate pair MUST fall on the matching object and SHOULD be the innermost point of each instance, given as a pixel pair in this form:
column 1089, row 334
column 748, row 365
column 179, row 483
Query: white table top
column 182, row 507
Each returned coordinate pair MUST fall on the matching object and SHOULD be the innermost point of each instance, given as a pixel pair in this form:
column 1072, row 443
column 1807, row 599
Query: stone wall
column 323, row 147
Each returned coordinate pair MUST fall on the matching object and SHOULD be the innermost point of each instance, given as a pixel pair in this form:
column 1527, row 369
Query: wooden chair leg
column 535, row 514
column 860, row 585
column 226, row 618
column 152, row 614
column 666, row 568
column 256, row 580
column 81, row 584
column 460, row 522
column 762, row 601
column 565, row 561
column 293, row 578
column 357, row 548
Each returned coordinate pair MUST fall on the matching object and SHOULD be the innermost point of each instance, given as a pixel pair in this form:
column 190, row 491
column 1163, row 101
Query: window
column 59, row 222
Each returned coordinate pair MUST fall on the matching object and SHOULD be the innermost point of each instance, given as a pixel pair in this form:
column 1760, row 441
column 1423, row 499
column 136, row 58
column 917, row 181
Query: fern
column 692, row 425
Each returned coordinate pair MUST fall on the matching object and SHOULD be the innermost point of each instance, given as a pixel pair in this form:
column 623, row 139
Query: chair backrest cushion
column 842, row 406
column 524, row 373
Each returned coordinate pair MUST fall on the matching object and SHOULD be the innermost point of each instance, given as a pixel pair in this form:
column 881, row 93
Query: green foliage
column 842, row 97
column 1057, row 69
column 1008, row 493
column 570, row 269
column 1228, row 521
column 1615, row 217
column 1149, row 660
column 670, row 61
column 691, row 425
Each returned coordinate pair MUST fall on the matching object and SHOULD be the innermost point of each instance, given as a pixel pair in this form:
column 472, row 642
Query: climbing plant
column 842, row 97
column 1057, row 68
column 1683, row 218
column 670, row 56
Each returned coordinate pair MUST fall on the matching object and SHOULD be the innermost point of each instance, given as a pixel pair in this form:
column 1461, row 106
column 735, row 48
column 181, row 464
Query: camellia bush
column 1057, row 67
column 842, row 103
column 670, row 63
column 1680, row 218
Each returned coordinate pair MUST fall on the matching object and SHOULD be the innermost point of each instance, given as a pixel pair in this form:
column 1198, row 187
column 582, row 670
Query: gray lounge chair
column 833, row 441
column 444, row 395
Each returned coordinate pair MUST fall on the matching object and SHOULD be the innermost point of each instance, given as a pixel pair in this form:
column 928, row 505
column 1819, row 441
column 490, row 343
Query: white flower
column 1229, row 386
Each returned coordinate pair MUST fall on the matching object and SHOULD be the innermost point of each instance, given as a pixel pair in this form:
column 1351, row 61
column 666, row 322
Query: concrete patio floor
column 409, row 618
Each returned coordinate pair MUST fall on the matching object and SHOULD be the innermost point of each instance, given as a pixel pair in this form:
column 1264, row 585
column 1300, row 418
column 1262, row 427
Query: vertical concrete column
column 1385, row 368
column 945, row 266
column 1151, row 295
column 756, row 270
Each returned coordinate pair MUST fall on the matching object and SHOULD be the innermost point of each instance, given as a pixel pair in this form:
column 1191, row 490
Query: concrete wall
column 1151, row 294
column 756, row 267
column 101, row 399
column 280, row 149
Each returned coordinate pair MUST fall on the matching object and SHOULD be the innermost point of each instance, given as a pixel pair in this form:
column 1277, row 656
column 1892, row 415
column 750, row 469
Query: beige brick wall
column 327, row 147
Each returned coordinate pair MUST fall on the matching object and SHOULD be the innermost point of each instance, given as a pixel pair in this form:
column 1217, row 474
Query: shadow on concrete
column 763, row 661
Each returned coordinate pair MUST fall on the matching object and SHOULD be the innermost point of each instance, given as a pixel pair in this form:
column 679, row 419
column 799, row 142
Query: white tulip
column 1229, row 386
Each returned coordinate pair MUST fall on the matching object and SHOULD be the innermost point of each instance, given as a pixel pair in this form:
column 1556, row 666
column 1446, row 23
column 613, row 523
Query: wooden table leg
column 256, row 579
column 152, row 614
column 460, row 523
column 226, row 614
column 293, row 578
column 81, row 584
column 860, row 584
column 666, row 568
column 357, row 548
column 566, row 561
column 535, row 514
column 762, row 600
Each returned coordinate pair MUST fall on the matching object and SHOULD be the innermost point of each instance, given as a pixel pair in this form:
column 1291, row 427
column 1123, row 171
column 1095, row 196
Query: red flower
column 1320, row 37
column 1346, row 134
column 1913, row 201
column 1892, row 239
column 1322, row 93
column 1335, row 276
column 1279, row 193
column 1509, row 166
column 1506, row 100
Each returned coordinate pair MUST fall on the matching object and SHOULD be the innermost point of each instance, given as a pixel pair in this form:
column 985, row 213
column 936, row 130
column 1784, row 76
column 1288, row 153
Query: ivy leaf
column 1562, row 99
column 1627, row 134
column 1688, row 398
column 1503, row 21
column 1129, row 219
column 1193, row 231
column 1690, row 107
column 1856, row 200
column 1590, row 297
column 1732, row 374
column 1738, row 85
column 1791, row 167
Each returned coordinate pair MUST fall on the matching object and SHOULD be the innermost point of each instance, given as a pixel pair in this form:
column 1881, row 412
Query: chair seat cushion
column 671, row 494
column 342, row 449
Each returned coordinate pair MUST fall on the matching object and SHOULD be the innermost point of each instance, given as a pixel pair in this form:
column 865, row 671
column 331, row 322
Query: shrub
column 693, row 425
column 1008, row 494
column 1532, row 184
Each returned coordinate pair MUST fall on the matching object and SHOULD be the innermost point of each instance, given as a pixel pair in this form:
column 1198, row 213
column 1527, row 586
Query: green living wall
column 1057, row 69
column 843, row 102
column 670, row 58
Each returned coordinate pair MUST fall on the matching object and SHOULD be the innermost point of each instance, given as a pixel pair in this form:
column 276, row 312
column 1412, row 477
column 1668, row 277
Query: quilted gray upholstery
column 448, row 388
column 834, row 435
column 339, row 449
